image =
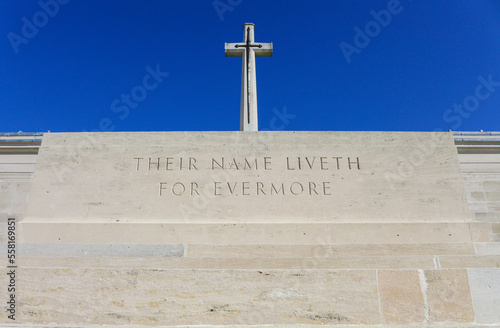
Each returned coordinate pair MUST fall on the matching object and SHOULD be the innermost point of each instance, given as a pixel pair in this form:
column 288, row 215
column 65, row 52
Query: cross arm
column 233, row 51
column 265, row 51
column 237, row 49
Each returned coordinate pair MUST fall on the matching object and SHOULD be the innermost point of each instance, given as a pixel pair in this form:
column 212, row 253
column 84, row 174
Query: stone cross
column 248, row 50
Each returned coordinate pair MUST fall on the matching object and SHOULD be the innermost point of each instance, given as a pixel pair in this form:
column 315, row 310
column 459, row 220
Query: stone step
column 309, row 263
column 255, row 234
column 250, row 251
column 332, row 250
column 487, row 248
column 415, row 325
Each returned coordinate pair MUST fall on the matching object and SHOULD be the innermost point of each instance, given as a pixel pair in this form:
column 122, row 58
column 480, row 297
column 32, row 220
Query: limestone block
column 487, row 248
column 492, row 196
column 448, row 296
column 236, row 177
column 480, row 231
column 14, row 191
column 401, row 299
column 488, row 216
column 493, row 186
column 485, row 292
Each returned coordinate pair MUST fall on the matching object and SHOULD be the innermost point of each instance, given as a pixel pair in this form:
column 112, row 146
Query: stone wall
column 479, row 156
column 324, row 274
column 18, row 154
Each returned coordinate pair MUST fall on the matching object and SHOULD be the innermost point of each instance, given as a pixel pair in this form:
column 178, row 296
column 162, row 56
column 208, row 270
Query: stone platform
column 429, row 284
column 119, row 231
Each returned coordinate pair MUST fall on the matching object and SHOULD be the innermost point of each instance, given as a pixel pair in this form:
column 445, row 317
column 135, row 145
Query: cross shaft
column 249, row 50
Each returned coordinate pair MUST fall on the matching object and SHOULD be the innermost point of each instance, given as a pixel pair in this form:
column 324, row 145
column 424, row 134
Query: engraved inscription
column 251, row 187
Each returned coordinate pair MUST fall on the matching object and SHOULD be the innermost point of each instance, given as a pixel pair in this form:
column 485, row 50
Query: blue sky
column 69, row 65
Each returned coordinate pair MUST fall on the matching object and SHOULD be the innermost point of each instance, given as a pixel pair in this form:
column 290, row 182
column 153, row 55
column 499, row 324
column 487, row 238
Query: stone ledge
column 97, row 250
column 254, row 234
column 419, row 325
column 307, row 263
column 251, row 251
column 333, row 250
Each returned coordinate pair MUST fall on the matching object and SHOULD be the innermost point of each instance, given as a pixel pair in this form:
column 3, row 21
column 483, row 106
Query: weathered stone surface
column 177, row 177
column 483, row 261
column 401, row 299
column 271, row 263
column 4, row 296
column 485, row 292
column 16, row 175
column 98, row 250
column 14, row 190
column 483, row 187
column 153, row 297
column 104, row 247
column 214, row 263
column 418, row 325
column 480, row 231
column 329, row 251
column 448, row 296
column 488, row 248
column 254, row 234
